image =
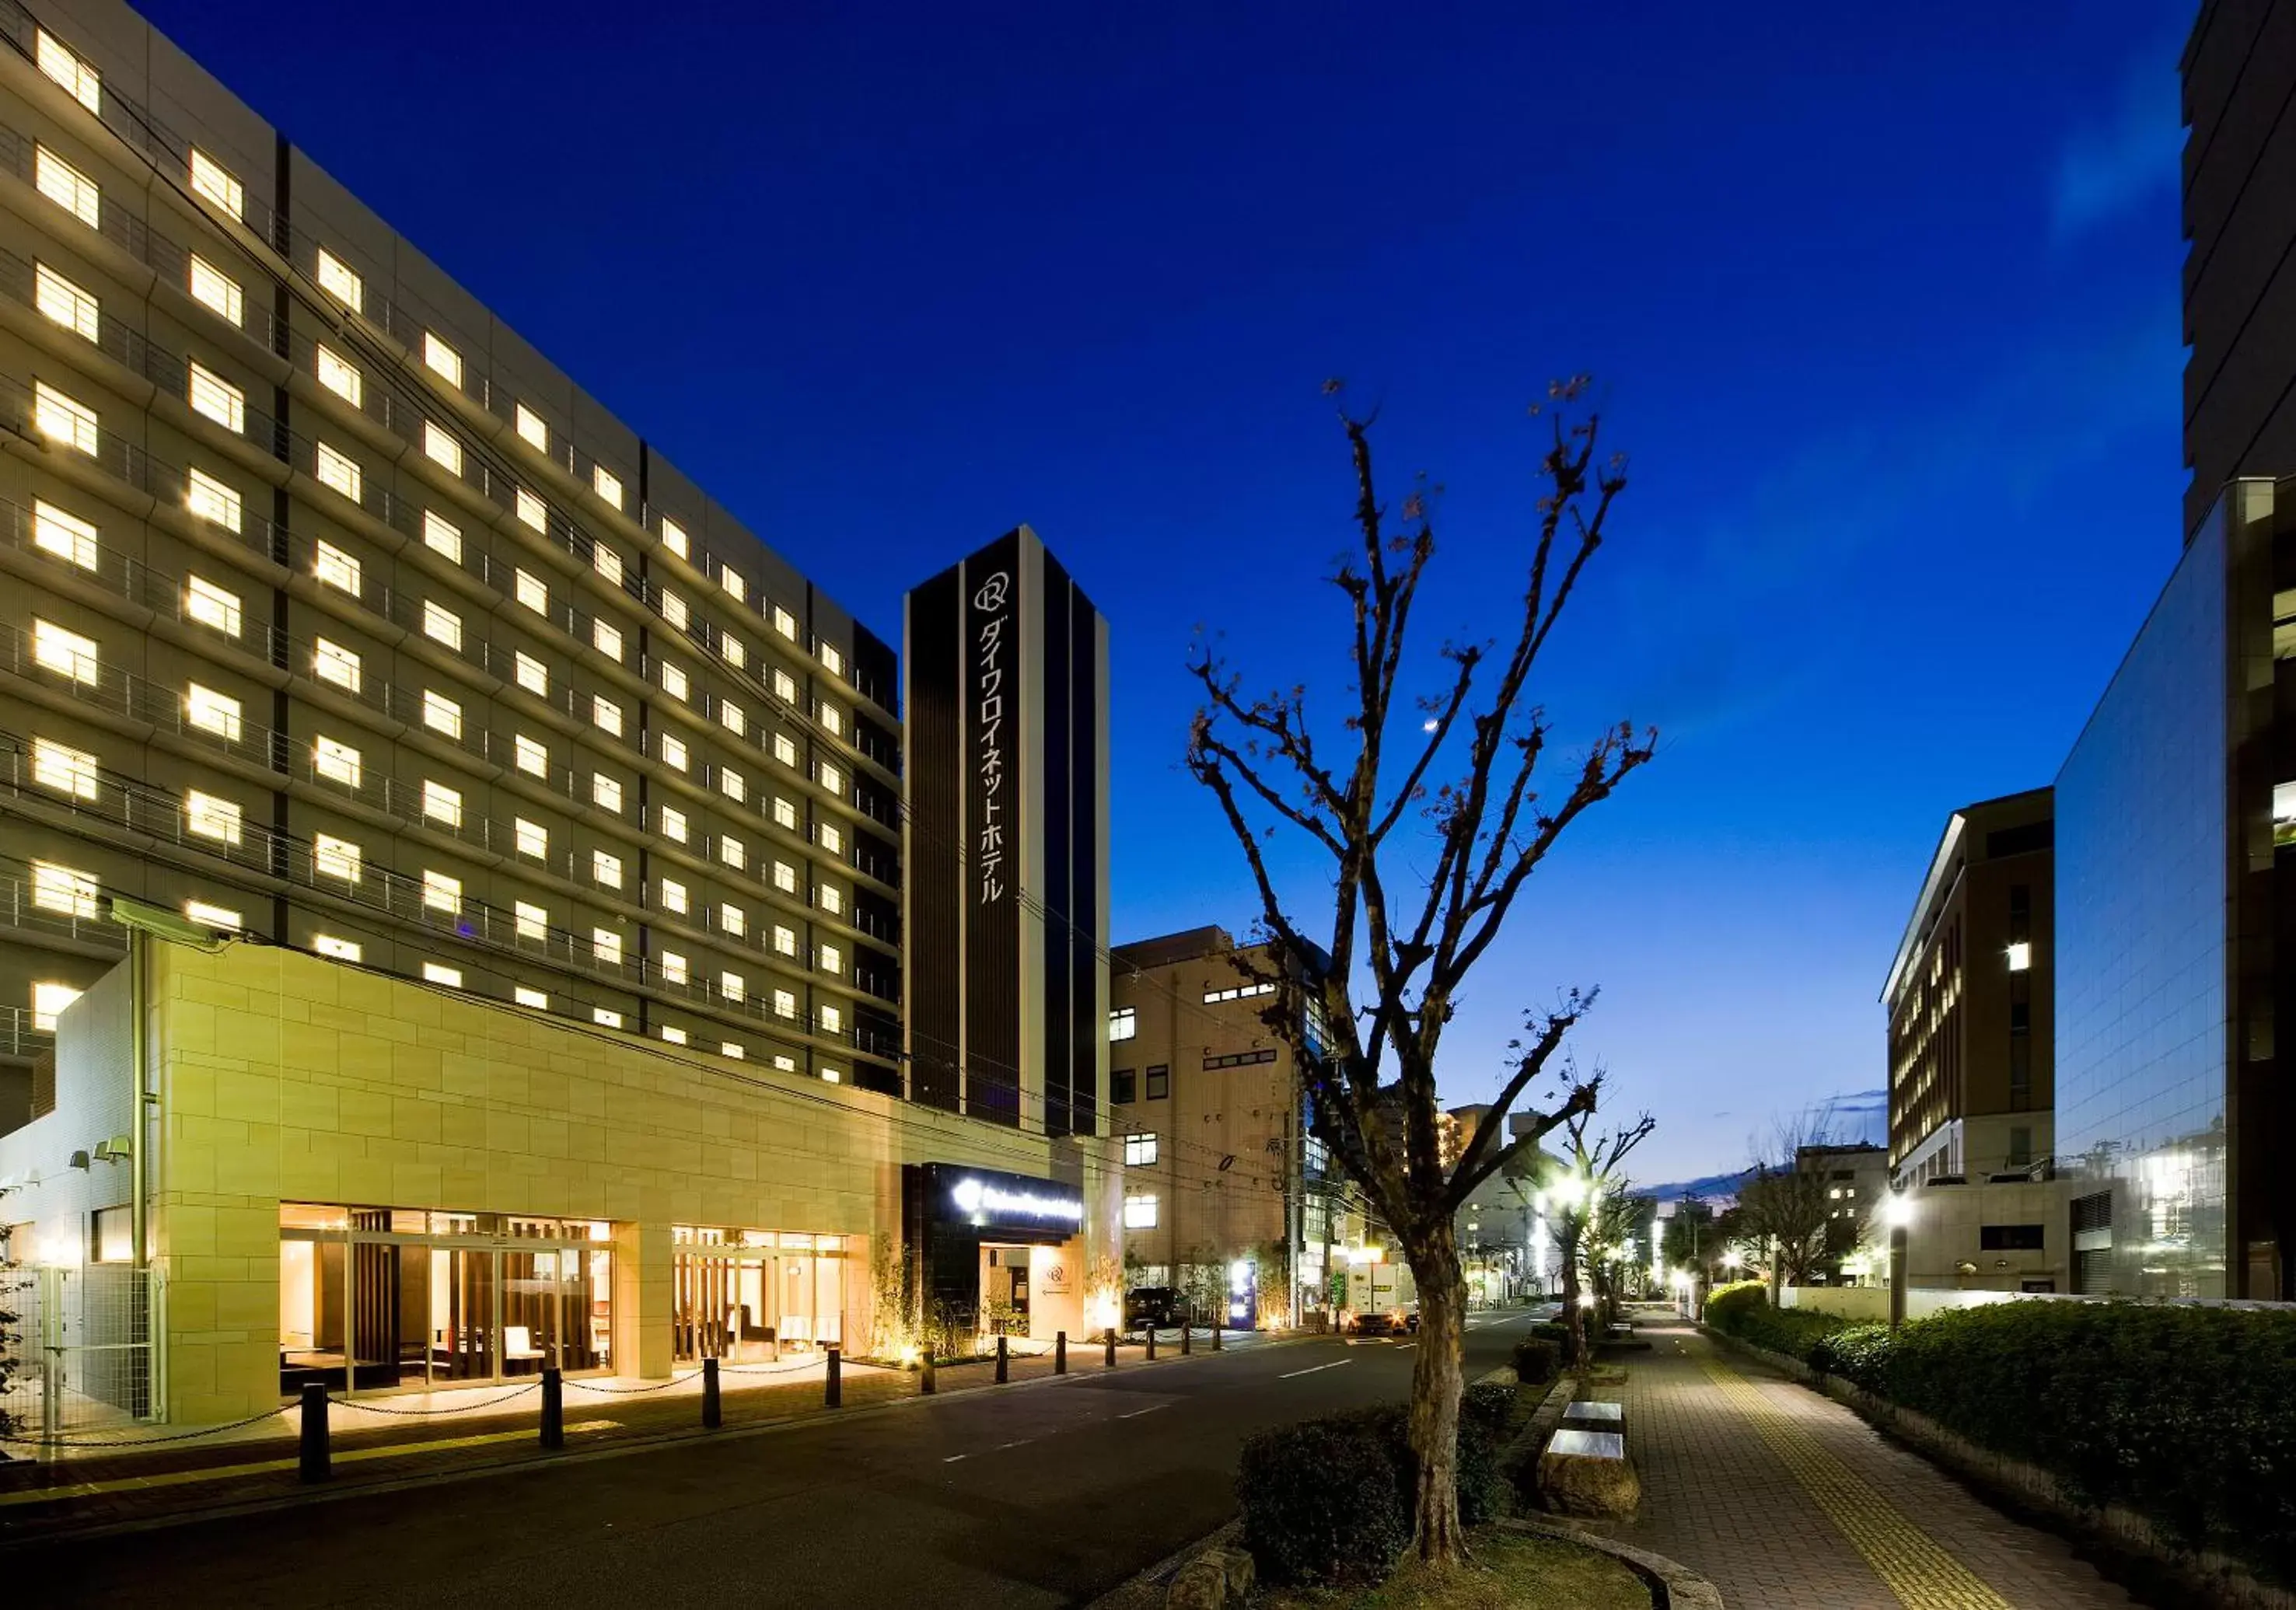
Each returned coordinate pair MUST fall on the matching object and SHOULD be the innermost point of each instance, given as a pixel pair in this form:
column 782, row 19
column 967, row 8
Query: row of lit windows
column 1241, row 992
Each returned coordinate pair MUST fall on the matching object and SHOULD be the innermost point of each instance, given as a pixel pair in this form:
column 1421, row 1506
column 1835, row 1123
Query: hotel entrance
column 748, row 1294
column 392, row 1299
column 997, row 1253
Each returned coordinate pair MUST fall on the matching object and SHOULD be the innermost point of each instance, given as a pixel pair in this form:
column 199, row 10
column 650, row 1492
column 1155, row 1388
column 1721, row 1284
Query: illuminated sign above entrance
column 997, row 1199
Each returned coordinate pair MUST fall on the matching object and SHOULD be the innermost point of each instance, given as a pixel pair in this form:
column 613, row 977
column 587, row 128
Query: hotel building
column 548, row 825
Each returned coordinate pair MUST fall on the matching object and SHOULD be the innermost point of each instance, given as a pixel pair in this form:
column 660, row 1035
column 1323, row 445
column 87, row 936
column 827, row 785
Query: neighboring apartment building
column 1208, row 1104
column 527, row 834
column 1968, row 998
column 1857, row 1183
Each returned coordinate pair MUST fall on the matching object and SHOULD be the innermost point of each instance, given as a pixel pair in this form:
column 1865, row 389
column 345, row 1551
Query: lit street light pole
column 1898, row 1214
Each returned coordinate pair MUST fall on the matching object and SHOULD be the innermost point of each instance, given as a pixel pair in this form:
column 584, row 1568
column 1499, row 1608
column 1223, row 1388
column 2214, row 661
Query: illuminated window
column 607, row 562
column 730, row 647
column 441, row 447
column 728, row 1048
column 732, row 987
column 340, row 376
column 832, row 959
column 531, row 428
column 607, row 639
column 832, row 659
column 441, row 893
column 784, row 750
column 730, row 716
column 833, row 719
column 784, row 623
column 336, row 568
column 537, row 999
column 785, row 687
column 65, row 303
column 1123, row 1023
column 62, row 63
column 441, row 624
column 533, row 839
column 64, row 890
column 214, row 916
column 784, row 877
column 673, row 752
column 606, row 946
column 785, row 814
column 211, row 605
column 341, row 950
column 339, row 281
column 441, row 804
column 332, row 857
column 673, row 896
column 532, row 674
column 442, row 536
column 672, row 1034
column 61, row 419
column 337, row 762
column 66, row 536
column 66, row 186
column 212, row 712
column 733, row 852
column 606, row 791
column 673, row 968
column 531, row 511
column 833, row 837
column 216, row 291
column 673, row 823
column 331, row 662
column 606, row 869
column 67, row 653
column 529, row 921
column 607, row 483
column 211, row 500
column 49, row 999
column 732, row 783
column 785, row 939
column 530, row 756
column 673, row 680
column 730, row 579
column 2021, row 957
column 832, row 779
column 1140, row 1212
column 209, row 817
column 209, row 393
column 784, row 1004
column 442, row 360
column 441, row 713
column 833, row 1021
column 605, row 1018
column 1139, row 1151
column 673, row 537
column 532, row 591
column 831, row 899
column 439, row 972
column 673, row 609
column 606, row 713
column 72, row 773
column 211, row 179
column 733, row 920
column 339, row 471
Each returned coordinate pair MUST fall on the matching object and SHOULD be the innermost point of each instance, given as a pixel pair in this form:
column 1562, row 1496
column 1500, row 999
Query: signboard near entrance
column 999, row 1205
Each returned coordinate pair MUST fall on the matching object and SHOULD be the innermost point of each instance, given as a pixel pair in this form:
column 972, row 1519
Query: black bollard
column 1111, row 1347
column 1002, row 1377
column 1215, row 1335
column 832, row 1386
column 1060, row 1352
column 1188, row 1340
column 926, row 1382
column 315, row 1432
column 554, row 1408
column 713, row 1411
column 1151, row 1344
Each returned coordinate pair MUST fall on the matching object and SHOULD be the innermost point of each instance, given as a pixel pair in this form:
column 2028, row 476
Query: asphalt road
column 1040, row 1495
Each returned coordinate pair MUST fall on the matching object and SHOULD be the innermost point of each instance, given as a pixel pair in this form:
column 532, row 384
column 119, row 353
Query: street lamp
column 1897, row 1213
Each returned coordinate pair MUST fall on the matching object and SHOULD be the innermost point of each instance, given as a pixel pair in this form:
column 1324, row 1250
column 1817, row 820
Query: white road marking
column 1313, row 1368
column 952, row 1458
column 1137, row 1413
column 1023, row 1442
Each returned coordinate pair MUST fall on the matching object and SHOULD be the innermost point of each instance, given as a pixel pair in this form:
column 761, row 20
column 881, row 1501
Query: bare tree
column 1783, row 1206
column 1592, row 1181
column 1473, row 829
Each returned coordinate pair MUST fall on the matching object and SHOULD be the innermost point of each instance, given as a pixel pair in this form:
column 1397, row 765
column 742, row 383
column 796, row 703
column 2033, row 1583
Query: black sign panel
column 992, row 698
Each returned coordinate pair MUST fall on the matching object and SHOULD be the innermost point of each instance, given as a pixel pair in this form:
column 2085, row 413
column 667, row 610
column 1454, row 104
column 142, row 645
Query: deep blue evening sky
column 1883, row 301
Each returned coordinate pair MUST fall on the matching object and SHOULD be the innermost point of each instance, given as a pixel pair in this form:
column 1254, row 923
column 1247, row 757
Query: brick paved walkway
column 1787, row 1500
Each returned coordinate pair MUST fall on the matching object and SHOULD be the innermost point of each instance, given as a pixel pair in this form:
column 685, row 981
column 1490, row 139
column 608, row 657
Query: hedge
column 2187, row 1416
column 1743, row 1311
column 1329, row 1499
column 1536, row 1360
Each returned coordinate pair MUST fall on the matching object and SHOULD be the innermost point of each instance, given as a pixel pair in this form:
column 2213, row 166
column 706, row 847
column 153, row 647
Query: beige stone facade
column 277, row 1077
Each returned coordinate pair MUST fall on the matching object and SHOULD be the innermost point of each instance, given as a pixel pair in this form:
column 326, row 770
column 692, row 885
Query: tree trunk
column 1574, row 1330
column 1437, row 1382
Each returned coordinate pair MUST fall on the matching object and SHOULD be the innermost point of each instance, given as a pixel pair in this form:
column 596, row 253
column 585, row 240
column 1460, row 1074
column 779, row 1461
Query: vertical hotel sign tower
column 1006, row 842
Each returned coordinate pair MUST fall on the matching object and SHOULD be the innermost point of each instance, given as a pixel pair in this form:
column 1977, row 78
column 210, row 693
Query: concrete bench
column 1595, row 1417
column 1586, row 1472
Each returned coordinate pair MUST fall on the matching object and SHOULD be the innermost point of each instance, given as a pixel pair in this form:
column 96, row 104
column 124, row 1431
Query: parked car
column 1158, row 1305
column 1386, row 1322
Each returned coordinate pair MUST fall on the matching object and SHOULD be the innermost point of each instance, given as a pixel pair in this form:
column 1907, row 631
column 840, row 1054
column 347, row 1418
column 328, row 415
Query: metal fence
column 79, row 1353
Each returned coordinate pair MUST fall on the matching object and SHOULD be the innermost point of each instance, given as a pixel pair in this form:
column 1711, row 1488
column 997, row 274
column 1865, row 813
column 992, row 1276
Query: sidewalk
column 1786, row 1499
column 148, row 1473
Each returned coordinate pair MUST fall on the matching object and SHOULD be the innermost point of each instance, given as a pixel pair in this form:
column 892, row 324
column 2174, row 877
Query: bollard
column 713, row 1412
column 926, row 1381
column 1216, row 1336
column 1060, row 1352
column 832, row 1385
column 1188, row 1340
column 1001, row 1375
column 554, row 1408
column 1111, row 1347
column 315, row 1432
column 1151, row 1344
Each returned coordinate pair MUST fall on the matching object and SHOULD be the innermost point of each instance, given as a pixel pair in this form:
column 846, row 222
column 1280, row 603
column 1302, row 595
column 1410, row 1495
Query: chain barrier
column 632, row 1391
column 145, row 1441
column 368, row 1406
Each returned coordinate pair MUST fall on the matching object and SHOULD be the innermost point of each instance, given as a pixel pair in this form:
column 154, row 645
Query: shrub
column 1536, row 1360
column 1743, row 1311
column 1858, row 1353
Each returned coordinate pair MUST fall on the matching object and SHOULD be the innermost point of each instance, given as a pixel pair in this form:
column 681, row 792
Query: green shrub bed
column 2187, row 1416
column 1329, row 1499
column 1536, row 1360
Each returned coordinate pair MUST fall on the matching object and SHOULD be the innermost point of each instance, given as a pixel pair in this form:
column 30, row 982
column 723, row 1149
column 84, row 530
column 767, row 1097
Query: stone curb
column 2123, row 1536
column 1673, row 1585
